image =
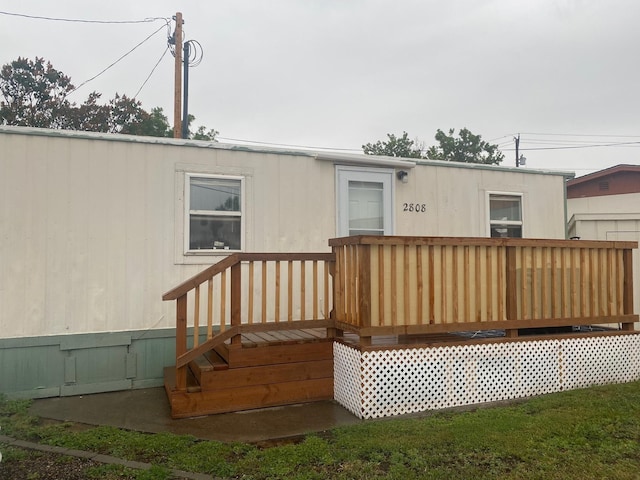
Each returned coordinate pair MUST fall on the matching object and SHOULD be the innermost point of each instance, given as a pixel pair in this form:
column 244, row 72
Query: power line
column 118, row 60
column 152, row 70
column 571, row 147
column 74, row 20
column 580, row 135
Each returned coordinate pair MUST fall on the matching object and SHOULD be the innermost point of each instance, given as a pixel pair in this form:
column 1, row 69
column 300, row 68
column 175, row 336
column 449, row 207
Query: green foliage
column 214, row 458
column 203, row 134
column 34, row 94
column 394, row 147
column 466, row 148
column 119, row 443
column 115, row 472
column 10, row 454
column 15, row 419
column 156, row 124
column 590, row 433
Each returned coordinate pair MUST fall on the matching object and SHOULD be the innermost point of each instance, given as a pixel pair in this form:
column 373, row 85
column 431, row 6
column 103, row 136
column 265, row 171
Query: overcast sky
column 341, row 73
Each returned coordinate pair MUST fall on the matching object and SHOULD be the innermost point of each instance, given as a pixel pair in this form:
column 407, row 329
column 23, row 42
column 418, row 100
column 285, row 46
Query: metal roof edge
column 605, row 216
column 494, row 168
column 336, row 157
column 362, row 159
column 118, row 137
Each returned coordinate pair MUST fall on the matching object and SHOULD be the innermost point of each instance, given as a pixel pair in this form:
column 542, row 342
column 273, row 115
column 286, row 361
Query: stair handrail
column 179, row 293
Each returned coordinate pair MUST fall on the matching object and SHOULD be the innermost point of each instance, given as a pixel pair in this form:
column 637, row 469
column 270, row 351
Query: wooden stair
column 265, row 370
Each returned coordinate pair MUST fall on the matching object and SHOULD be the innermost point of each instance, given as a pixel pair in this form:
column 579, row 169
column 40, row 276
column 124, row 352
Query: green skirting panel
column 40, row 367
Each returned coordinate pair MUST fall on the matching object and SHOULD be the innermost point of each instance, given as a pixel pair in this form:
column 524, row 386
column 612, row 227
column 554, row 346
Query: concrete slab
column 147, row 410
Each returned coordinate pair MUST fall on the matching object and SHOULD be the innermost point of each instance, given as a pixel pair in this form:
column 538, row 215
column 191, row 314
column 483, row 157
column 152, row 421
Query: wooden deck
column 294, row 366
column 271, row 319
column 265, row 369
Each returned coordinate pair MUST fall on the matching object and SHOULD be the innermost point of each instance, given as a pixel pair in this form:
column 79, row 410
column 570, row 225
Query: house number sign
column 414, row 207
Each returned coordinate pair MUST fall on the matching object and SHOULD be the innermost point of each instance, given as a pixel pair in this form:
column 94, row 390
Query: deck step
column 267, row 369
column 206, row 364
column 276, row 353
column 216, row 361
column 190, row 404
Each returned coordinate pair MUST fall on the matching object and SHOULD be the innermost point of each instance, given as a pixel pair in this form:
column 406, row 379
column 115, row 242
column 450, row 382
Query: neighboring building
column 605, row 205
column 94, row 228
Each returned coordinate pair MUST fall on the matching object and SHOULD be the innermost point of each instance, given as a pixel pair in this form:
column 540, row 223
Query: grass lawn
column 582, row 434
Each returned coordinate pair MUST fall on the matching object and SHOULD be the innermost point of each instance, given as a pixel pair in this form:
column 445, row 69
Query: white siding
column 609, row 217
column 91, row 230
column 455, row 201
column 625, row 203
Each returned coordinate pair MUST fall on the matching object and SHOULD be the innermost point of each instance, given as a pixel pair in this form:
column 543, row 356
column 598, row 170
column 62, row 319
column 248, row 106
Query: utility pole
column 517, row 139
column 177, row 99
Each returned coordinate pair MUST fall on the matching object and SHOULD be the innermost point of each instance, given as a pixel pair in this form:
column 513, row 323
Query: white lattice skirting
column 383, row 383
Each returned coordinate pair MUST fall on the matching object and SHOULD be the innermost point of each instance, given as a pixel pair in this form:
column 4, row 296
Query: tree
column 394, row 147
column 35, row 95
column 467, row 148
column 203, row 134
column 156, row 124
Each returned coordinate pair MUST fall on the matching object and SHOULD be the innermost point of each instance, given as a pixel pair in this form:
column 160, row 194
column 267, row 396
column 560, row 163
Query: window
column 505, row 215
column 365, row 208
column 214, row 213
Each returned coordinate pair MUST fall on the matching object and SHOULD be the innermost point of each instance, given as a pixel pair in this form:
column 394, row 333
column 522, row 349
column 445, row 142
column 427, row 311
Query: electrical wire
column 117, row 61
column 580, row 135
column 74, row 20
column 572, row 147
column 196, row 52
column 152, row 70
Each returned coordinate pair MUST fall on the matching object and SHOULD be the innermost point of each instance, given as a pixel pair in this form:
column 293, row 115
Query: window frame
column 188, row 212
column 491, row 223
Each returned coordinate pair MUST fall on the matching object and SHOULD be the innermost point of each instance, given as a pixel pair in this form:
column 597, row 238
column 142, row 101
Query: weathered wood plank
column 265, row 375
column 184, row 404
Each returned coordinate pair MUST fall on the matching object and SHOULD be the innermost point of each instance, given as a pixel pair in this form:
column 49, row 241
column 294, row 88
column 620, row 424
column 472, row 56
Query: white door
column 364, row 201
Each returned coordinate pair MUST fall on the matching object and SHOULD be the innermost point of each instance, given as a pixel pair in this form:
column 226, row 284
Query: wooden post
column 330, row 270
column 181, row 340
column 364, row 284
column 236, row 300
column 363, row 270
column 512, row 290
column 627, row 261
column 177, row 105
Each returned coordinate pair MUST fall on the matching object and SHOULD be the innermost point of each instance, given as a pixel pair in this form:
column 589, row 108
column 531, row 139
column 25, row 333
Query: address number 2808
column 414, row 207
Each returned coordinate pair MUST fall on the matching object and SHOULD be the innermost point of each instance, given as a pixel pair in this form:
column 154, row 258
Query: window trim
column 188, row 212
column 490, row 222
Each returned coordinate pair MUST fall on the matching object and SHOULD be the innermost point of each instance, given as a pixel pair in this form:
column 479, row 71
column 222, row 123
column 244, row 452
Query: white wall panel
column 91, row 229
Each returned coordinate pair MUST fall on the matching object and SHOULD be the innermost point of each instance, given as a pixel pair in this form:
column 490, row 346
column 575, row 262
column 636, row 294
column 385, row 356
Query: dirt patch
column 28, row 464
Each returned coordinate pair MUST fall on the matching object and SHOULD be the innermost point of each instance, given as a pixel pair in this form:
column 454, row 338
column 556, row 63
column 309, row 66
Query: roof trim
column 595, row 217
column 336, row 157
column 494, row 168
column 118, row 137
column 603, row 173
column 362, row 159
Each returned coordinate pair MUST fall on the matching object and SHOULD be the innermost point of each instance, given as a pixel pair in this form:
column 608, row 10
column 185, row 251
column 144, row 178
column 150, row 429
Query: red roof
column 610, row 181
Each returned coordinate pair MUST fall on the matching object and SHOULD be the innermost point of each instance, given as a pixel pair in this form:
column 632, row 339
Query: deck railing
column 248, row 292
column 404, row 285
